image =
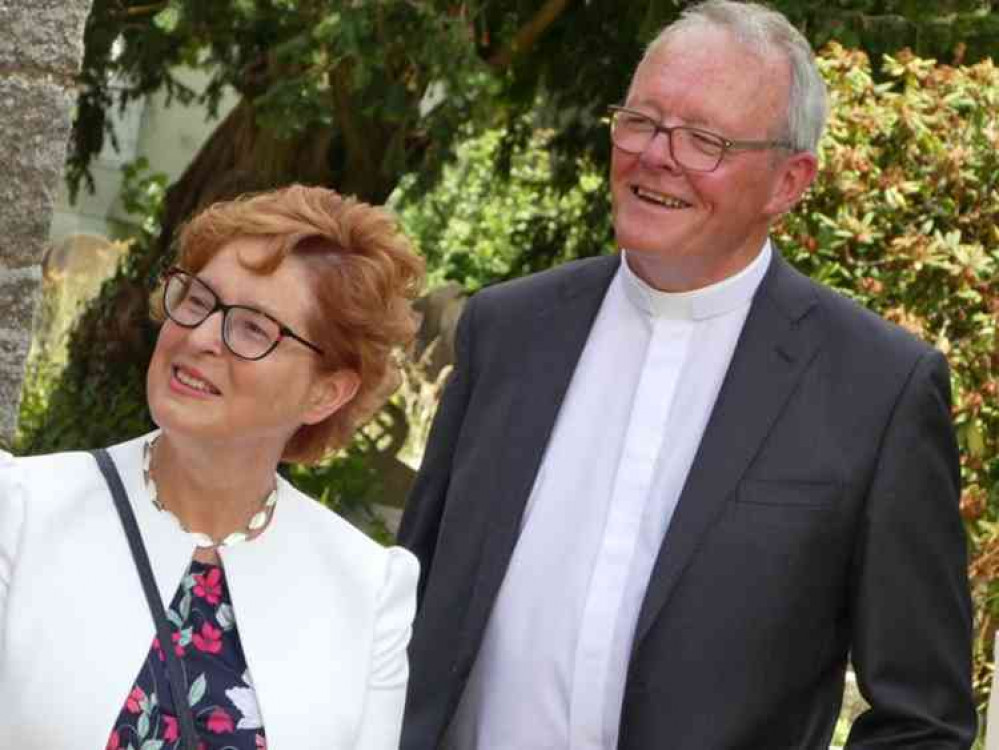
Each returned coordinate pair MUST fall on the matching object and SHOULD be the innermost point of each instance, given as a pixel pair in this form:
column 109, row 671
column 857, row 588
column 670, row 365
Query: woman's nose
column 207, row 335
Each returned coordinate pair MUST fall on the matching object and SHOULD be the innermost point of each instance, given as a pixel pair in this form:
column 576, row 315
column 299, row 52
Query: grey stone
column 42, row 34
column 18, row 294
column 33, row 135
column 18, row 289
column 41, row 46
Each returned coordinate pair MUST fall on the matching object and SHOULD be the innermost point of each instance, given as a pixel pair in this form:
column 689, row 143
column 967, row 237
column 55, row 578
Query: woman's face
column 199, row 389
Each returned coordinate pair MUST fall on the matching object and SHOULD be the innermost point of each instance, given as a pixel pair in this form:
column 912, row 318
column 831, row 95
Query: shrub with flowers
column 904, row 217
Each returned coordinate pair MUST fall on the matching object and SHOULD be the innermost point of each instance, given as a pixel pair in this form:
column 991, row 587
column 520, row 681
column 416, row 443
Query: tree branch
column 529, row 33
column 142, row 10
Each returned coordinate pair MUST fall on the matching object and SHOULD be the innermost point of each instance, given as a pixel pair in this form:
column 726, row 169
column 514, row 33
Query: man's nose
column 658, row 153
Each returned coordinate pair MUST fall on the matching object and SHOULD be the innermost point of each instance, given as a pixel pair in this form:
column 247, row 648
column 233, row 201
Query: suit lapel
column 778, row 341
column 562, row 325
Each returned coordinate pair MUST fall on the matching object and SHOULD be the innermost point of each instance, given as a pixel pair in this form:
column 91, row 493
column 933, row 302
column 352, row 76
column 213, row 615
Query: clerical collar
column 698, row 304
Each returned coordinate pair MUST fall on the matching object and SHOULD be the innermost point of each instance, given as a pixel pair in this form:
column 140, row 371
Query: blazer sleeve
column 421, row 518
column 12, row 500
column 911, row 608
column 381, row 722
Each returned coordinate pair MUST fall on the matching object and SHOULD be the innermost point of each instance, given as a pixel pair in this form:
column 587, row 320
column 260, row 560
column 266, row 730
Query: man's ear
column 330, row 393
column 795, row 174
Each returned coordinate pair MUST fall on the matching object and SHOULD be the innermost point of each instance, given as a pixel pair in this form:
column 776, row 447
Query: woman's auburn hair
column 365, row 275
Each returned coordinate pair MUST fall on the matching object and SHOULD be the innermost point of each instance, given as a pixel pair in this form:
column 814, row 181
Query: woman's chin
column 175, row 416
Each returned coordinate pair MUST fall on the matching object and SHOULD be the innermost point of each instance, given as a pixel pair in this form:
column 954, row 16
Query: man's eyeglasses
column 692, row 148
column 248, row 333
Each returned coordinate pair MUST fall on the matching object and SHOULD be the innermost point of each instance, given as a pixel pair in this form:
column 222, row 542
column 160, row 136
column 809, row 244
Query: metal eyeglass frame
column 727, row 144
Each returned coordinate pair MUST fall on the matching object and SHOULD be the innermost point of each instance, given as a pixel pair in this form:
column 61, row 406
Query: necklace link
column 258, row 521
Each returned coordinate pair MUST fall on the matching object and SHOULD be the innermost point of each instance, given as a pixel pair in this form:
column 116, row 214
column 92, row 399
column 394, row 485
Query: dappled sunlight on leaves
column 903, row 218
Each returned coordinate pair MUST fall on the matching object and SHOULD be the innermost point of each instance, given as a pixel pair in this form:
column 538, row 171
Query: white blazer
column 323, row 612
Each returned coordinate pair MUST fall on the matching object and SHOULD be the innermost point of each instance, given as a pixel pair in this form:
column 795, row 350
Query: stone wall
column 41, row 45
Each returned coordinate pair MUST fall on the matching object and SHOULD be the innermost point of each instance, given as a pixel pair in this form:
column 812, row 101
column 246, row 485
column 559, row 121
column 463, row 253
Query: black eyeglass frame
column 727, row 144
column 283, row 330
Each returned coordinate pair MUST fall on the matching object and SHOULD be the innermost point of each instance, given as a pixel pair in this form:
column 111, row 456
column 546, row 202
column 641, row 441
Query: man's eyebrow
column 656, row 113
column 700, row 122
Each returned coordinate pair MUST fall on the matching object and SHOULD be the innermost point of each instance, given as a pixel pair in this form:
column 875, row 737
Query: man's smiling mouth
column 659, row 199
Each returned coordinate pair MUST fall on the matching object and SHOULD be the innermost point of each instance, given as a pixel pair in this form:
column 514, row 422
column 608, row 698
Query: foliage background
column 488, row 130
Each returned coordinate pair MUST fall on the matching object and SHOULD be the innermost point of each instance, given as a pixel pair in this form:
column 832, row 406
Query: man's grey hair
column 764, row 32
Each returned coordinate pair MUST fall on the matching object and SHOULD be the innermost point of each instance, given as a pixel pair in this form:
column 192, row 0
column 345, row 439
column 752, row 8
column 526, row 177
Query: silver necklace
column 202, row 540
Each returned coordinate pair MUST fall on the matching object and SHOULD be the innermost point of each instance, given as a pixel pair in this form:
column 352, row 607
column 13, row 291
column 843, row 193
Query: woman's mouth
column 191, row 380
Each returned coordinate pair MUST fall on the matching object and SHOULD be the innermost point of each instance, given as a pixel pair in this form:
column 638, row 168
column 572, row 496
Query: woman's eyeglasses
column 247, row 332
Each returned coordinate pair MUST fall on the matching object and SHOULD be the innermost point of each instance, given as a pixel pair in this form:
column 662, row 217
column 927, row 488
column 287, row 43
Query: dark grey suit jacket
column 820, row 517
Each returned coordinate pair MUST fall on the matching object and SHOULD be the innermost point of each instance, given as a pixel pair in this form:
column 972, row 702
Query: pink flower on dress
column 220, row 722
column 261, row 742
column 177, row 648
column 209, row 640
column 170, row 729
column 114, row 741
column 208, row 585
column 135, row 699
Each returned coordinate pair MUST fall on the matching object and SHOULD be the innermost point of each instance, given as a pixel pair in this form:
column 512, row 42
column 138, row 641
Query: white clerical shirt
column 551, row 668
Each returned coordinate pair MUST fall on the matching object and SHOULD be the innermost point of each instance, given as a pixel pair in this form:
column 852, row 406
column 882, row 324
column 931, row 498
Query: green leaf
column 224, row 617
column 197, row 690
column 175, row 618
column 185, row 606
column 976, row 441
column 244, row 8
column 152, row 745
column 142, row 727
column 328, row 28
column 168, row 19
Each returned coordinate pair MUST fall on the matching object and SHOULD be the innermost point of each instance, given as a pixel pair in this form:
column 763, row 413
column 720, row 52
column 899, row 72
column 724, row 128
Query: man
column 668, row 492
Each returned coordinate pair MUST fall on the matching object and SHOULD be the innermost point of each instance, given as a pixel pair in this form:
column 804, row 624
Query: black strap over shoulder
column 175, row 671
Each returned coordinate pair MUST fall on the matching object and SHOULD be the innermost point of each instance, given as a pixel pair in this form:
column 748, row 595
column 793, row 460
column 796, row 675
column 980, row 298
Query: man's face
column 682, row 229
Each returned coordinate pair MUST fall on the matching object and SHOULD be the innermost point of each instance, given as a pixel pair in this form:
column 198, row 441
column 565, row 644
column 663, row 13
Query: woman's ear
column 329, row 393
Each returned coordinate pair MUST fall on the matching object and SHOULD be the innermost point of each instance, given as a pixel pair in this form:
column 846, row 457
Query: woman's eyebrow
column 256, row 305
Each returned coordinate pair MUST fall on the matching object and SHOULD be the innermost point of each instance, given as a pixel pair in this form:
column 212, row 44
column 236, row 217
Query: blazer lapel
column 299, row 606
column 562, row 325
column 777, row 343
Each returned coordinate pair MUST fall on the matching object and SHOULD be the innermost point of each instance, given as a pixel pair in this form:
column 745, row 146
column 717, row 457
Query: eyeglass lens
column 690, row 148
column 248, row 333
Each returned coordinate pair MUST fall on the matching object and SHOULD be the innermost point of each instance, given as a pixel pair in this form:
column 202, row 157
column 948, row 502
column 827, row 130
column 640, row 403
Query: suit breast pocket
column 798, row 530
column 789, row 495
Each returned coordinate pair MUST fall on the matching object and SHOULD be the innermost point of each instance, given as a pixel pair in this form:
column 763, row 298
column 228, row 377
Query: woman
column 280, row 323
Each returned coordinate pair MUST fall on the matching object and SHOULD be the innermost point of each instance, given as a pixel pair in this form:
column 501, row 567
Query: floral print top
column 219, row 687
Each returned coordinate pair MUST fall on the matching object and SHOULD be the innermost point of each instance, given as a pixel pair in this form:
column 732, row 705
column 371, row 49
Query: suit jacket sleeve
column 381, row 721
column 911, row 613
column 425, row 505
